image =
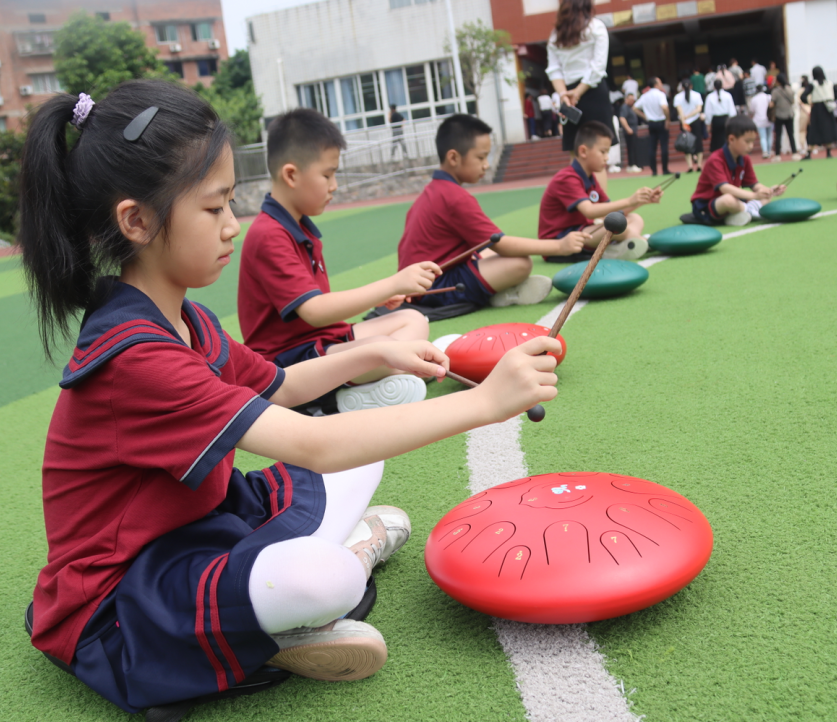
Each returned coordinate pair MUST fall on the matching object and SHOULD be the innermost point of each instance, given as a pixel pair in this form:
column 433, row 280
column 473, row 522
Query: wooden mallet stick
column 787, row 180
column 460, row 287
column 667, row 182
column 476, row 249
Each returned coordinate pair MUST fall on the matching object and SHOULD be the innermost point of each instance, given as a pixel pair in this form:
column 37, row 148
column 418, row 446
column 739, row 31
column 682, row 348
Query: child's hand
column 657, row 195
column 573, row 242
column 778, row 190
column 764, row 194
column 394, row 302
column 642, row 196
column 521, row 379
column 416, row 278
column 421, row 358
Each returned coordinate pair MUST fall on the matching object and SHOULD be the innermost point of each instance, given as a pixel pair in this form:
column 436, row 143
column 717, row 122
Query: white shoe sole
column 389, row 391
column 350, row 651
column 741, row 218
column 533, row 290
column 443, row 342
column 628, row 250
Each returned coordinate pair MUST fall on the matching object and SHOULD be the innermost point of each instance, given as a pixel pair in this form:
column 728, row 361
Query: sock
column 752, row 207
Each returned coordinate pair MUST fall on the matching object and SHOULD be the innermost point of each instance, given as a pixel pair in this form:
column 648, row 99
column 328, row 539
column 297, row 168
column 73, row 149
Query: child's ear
column 582, row 151
column 452, row 157
column 132, row 220
column 289, row 173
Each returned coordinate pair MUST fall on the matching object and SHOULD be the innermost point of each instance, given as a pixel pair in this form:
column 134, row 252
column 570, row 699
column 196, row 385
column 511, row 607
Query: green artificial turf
column 717, row 378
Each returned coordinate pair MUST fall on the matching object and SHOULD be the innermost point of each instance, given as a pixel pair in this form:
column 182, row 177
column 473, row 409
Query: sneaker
column 742, row 218
column 341, row 651
column 634, row 169
column 397, row 525
column 368, row 541
column 388, row 391
column 533, row 290
column 776, row 159
column 614, row 169
column 796, row 156
column 628, row 250
column 753, row 208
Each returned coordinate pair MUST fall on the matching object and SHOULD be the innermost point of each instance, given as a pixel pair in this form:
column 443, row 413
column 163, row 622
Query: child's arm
column 516, row 246
column 759, row 192
column 520, row 380
column 328, row 308
column 311, row 379
column 640, row 197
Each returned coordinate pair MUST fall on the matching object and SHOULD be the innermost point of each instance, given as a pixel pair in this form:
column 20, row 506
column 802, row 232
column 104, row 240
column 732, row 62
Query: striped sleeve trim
column 289, row 312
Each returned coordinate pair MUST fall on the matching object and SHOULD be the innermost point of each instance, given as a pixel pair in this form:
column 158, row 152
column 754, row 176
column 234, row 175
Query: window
column 350, row 96
column 321, row 96
column 443, row 79
column 369, row 87
column 251, row 32
column 395, row 4
column 37, row 18
column 202, row 31
column 417, row 84
column 175, row 66
column 34, row 43
column 207, row 66
column 167, row 33
column 45, row 83
column 103, row 16
column 3, row 127
column 395, row 86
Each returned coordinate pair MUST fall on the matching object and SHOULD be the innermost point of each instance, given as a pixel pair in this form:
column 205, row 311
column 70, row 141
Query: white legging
column 309, row 581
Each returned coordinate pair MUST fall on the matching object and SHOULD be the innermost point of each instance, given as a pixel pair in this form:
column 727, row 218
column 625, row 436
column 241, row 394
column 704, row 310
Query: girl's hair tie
column 82, row 110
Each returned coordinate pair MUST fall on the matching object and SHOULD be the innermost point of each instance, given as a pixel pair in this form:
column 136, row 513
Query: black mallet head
column 536, row 413
column 615, row 222
column 460, row 287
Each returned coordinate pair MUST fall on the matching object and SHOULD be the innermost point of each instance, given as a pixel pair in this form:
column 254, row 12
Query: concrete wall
column 338, row 38
column 811, row 36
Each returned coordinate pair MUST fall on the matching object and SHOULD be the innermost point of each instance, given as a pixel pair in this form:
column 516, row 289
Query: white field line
column 560, row 672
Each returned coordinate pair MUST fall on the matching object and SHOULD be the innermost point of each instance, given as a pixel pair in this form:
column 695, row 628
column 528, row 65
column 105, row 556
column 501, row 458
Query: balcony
column 34, row 43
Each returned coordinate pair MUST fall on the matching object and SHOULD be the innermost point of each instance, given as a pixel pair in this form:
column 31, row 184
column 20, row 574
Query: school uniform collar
column 732, row 164
column 122, row 316
column 280, row 214
column 444, row 175
column 588, row 181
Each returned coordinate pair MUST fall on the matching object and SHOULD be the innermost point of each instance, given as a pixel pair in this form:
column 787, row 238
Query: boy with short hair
column 446, row 220
column 286, row 308
column 722, row 194
column 574, row 200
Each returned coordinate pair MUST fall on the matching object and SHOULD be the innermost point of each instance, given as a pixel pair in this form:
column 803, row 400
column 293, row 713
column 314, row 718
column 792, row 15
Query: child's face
column 314, row 185
column 473, row 166
column 198, row 243
column 595, row 156
column 743, row 145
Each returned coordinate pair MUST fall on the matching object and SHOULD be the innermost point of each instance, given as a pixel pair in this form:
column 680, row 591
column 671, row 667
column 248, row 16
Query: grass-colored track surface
column 717, row 378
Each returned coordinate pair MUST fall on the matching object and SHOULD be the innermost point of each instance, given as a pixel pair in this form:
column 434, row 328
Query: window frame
column 166, row 26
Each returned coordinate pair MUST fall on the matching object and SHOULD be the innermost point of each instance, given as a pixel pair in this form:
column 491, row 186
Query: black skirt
column 719, row 137
column 822, row 129
column 697, row 131
column 594, row 105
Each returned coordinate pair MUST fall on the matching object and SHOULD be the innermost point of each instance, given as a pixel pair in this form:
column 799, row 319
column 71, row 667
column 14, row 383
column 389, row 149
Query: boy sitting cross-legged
column 286, row 309
column 446, row 220
column 728, row 191
column 574, row 201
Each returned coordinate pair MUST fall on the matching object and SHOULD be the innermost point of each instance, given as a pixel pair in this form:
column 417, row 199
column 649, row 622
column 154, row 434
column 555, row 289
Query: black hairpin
column 137, row 126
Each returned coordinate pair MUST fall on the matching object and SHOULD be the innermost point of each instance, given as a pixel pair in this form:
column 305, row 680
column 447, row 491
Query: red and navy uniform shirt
column 444, row 221
column 721, row 168
column 282, row 267
column 559, row 205
column 141, row 442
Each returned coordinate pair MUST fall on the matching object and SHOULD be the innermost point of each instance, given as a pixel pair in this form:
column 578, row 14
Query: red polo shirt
column 281, row 268
column 720, row 168
column 559, row 205
column 444, row 221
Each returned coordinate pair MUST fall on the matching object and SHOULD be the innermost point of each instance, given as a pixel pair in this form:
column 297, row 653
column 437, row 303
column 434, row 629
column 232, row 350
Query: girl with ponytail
column 170, row 574
column 719, row 108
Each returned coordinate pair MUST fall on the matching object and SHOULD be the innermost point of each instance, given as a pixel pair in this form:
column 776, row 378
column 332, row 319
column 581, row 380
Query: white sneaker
column 388, row 391
column 443, row 342
column 397, row 525
column 614, row 169
column 776, row 159
column 340, row 651
column 634, row 169
column 533, row 290
column 753, row 208
column 796, row 156
column 628, row 250
column 742, row 218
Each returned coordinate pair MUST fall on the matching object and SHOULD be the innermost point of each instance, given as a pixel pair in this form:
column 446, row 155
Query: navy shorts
column 308, row 350
column 705, row 211
column 180, row 623
column 583, row 255
column 477, row 289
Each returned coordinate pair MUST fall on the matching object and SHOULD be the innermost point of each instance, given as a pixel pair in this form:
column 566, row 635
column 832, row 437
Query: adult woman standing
column 804, row 113
column 689, row 105
column 783, row 99
column 577, row 52
column 823, row 127
column 718, row 109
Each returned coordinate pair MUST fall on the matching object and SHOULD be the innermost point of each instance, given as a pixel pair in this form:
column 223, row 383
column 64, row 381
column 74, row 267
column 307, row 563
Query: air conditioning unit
column 175, row 47
column 214, row 44
column 26, row 90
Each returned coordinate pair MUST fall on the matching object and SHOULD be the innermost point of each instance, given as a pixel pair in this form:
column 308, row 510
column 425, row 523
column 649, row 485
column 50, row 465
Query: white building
column 351, row 59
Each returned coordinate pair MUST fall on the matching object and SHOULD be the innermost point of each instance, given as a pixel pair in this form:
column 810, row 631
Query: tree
column 93, row 56
column 481, row 51
column 11, row 150
column 234, row 99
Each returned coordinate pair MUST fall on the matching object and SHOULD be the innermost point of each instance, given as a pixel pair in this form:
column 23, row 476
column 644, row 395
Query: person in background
column 783, row 100
column 758, row 72
column 629, row 122
column 653, row 107
column 529, row 114
column 759, row 105
column 726, row 77
column 396, row 120
column 804, row 113
column 749, row 88
column 630, row 86
column 547, row 117
column 718, row 109
column 772, row 74
column 709, row 81
column 689, row 105
column 698, row 83
column 736, row 69
column 822, row 130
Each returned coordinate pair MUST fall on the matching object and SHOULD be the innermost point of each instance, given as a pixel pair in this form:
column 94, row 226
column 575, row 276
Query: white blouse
column 585, row 62
column 690, row 109
column 713, row 106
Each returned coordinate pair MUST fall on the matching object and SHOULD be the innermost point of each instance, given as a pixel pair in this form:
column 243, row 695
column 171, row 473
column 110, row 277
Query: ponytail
column 68, row 227
column 687, row 89
column 718, row 86
column 56, row 256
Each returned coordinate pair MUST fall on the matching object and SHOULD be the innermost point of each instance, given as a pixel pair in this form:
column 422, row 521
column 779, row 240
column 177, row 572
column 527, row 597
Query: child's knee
column 635, row 222
column 416, row 319
column 520, row 266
